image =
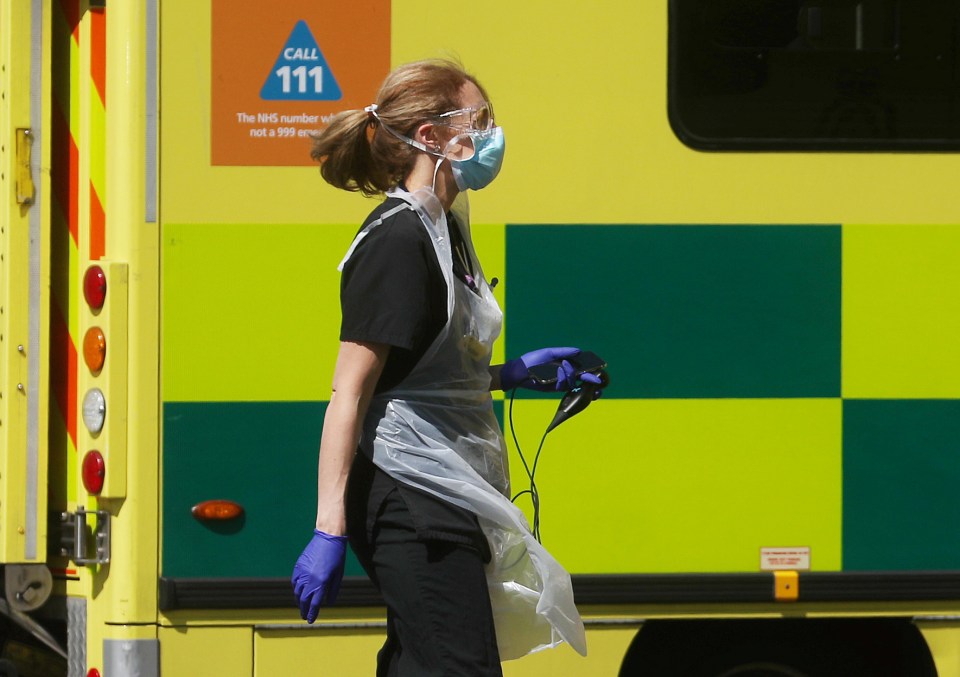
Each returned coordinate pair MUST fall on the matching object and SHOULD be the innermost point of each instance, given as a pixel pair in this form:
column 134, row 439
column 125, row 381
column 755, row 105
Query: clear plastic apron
column 437, row 431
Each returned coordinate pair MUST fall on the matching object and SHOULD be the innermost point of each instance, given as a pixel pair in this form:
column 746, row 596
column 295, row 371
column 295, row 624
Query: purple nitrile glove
column 514, row 374
column 318, row 572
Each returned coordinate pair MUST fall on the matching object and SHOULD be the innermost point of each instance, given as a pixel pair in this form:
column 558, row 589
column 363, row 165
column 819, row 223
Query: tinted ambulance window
column 815, row 74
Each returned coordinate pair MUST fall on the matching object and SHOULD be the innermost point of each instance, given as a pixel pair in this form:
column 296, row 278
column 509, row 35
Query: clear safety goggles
column 477, row 119
column 472, row 126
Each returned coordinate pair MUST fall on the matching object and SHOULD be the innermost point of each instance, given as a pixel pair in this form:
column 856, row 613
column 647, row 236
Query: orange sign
column 281, row 70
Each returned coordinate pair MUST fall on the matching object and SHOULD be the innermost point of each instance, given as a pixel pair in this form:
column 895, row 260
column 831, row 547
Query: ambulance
column 747, row 208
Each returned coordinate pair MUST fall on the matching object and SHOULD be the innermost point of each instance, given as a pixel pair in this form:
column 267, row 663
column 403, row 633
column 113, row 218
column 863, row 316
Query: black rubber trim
column 672, row 588
column 263, row 593
column 252, row 593
column 880, row 586
column 759, row 587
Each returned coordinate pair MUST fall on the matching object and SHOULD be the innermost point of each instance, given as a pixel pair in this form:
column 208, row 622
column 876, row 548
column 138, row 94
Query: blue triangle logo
column 301, row 73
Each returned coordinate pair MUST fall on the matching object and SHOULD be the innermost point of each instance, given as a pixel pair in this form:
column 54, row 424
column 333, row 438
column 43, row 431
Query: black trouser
column 439, row 620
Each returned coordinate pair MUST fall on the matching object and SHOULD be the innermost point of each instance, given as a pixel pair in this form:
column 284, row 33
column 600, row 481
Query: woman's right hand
column 318, row 572
column 319, row 569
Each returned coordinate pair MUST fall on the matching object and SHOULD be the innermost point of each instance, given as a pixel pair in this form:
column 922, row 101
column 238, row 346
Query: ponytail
column 345, row 152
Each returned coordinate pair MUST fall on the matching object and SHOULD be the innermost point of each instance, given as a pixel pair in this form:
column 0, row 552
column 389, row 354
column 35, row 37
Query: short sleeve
column 388, row 291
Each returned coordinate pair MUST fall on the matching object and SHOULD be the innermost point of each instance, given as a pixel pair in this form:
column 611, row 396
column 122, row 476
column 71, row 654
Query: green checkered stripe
column 749, row 406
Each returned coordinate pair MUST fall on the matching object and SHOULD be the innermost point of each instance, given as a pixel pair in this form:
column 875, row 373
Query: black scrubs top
column 392, row 291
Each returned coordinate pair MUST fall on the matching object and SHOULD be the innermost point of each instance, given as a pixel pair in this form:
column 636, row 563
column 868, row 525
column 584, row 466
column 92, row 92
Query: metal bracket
column 75, row 534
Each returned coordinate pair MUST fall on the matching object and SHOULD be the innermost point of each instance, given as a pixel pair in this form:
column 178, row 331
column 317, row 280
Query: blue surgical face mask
column 483, row 166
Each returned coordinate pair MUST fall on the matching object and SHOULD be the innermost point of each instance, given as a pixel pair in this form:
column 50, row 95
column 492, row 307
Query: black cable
column 531, row 472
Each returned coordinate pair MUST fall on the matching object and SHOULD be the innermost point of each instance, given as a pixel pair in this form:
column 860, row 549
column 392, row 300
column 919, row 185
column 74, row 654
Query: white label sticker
column 780, row 559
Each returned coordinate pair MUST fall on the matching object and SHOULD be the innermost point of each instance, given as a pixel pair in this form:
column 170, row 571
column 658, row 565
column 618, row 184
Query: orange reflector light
column 93, row 471
column 217, row 509
column 94, row 349
column 95, row 287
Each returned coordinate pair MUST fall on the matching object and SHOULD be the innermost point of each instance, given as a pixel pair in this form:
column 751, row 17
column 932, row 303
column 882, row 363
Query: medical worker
column 413, row 466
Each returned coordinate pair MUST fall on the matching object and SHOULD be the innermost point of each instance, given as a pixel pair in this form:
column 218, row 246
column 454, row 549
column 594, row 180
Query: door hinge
column 76, row 534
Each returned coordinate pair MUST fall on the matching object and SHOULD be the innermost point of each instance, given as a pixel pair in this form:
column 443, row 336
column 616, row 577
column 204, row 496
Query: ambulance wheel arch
column 798, row 647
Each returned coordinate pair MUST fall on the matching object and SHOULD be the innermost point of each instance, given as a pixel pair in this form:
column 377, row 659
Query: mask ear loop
column 436, row 170
column 371, row 110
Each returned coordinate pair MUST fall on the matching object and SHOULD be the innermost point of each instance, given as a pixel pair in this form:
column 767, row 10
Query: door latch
column 25, row 190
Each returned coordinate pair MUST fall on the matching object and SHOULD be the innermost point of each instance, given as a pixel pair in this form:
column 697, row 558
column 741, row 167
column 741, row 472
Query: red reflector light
column 93, row 472
column 217, row 509
column 93, row 672
column 95, row 287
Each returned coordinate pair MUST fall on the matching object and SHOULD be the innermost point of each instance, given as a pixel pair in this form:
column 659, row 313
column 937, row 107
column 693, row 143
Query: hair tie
column 372, row 119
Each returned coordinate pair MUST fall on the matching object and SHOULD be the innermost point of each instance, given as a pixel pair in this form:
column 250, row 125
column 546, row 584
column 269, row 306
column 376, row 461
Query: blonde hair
column 354, row 151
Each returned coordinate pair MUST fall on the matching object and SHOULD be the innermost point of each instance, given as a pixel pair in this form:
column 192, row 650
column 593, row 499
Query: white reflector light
column 94, row 410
